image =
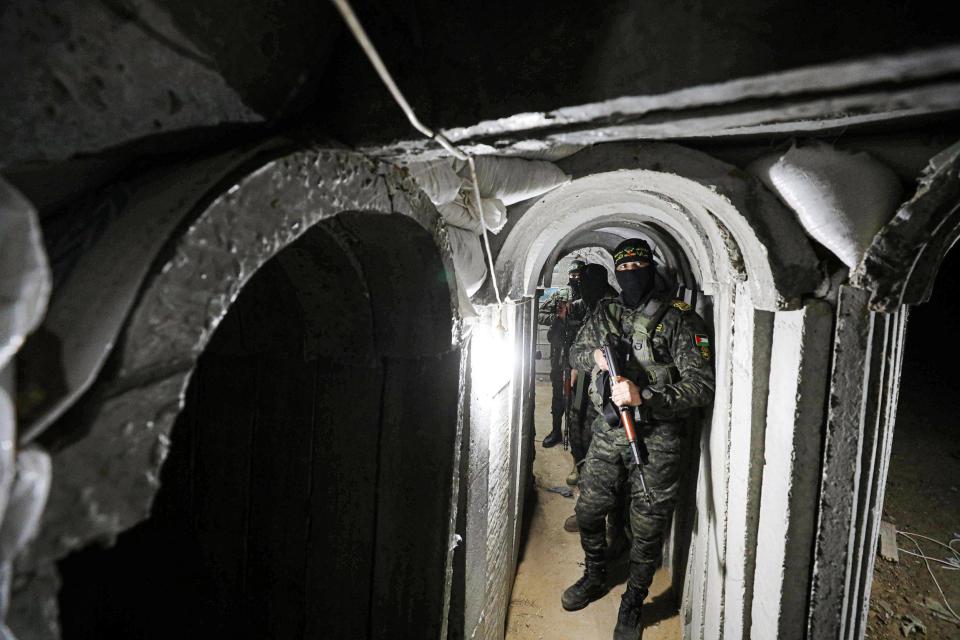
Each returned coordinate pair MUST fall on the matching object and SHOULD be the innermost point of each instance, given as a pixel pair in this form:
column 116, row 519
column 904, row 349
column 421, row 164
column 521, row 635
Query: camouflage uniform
column 671, row 341
column 560, row 335
column 582, row 411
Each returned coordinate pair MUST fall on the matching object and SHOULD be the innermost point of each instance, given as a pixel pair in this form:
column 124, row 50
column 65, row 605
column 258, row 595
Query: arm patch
column 681, row 305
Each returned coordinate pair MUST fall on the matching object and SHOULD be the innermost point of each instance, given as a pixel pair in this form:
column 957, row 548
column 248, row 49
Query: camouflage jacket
column 580, row 310
column 549, row 308
column 562, row 330
column 673, row 357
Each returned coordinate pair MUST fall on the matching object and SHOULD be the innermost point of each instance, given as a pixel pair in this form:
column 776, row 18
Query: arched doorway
column 351, row 284
column 740, row 257
column 306, row 489
column 306, row 474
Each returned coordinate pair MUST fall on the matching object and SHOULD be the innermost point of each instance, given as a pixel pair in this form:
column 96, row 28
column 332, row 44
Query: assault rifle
column 626, row 413
column 567, row 379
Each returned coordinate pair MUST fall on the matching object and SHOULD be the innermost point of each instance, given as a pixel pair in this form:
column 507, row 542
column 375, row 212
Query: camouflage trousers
column 581, row 430
column 609, row 470
column 558, row 403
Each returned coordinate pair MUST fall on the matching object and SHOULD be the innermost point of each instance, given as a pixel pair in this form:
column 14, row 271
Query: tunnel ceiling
column 81, row 78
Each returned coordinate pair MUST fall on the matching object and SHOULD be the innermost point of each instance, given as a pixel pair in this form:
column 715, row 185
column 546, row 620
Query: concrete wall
column 501, row 450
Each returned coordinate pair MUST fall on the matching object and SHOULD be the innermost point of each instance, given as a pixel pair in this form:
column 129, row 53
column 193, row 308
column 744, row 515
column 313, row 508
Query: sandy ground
column 922, row 497
column 552, row 560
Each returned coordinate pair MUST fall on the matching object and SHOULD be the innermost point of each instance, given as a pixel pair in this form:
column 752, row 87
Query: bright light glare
column 493, row 357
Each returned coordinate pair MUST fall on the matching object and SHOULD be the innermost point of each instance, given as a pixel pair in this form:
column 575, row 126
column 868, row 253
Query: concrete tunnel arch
column 597, row 234
column 718, row 230
column 720, row 243
column 300, row 215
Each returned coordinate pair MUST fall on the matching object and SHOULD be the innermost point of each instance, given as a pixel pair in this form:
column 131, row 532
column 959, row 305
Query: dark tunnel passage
column 306, row 492
column 920, row 498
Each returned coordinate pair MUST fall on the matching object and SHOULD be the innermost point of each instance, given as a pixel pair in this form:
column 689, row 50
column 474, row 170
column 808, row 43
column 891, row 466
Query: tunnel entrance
column 742, row 262
column 551, row 556
column 920, row 499
column 306, row 491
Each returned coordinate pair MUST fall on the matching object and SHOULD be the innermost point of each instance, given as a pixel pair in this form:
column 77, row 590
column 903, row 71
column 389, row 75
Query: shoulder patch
column 702, row 342
column 681, row 305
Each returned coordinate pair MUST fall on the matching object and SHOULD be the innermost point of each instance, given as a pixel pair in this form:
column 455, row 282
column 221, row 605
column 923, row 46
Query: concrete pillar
column 851, row 407
column 712, row 495
column 752, row 342
column 453, row 598
column 500, row 419
column 477, row 492
column 791, row 473
column 526, row 323
column 889, row 336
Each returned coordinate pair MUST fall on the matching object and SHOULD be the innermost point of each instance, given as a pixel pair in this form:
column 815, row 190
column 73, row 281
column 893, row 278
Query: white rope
column 926, row 560
column 360, row 35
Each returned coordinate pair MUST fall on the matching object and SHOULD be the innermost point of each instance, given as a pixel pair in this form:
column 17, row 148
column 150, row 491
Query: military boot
column 574, row 476
column 555, row 437
column 592, row 586
column 629, row 626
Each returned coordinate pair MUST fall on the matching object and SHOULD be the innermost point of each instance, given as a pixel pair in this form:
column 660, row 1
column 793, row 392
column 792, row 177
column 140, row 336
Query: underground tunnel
column 269, row 289
column 301, row 474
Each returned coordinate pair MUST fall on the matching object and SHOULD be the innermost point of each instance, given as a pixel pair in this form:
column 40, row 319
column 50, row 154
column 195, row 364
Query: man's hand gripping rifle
column 626, row 412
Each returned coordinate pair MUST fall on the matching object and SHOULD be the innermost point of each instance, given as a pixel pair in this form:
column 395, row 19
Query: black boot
column 555, row 437
column 592, row 586
column 629, row 626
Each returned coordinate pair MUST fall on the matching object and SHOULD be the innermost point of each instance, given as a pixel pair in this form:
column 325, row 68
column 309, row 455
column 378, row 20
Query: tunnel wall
column 499, row 468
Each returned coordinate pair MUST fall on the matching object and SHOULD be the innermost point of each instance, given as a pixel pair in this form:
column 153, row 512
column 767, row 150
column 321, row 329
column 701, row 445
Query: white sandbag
column 842, row 199
column 512, row 180
column 503, row 182
column 28, row 496
column 24, row 272
column 468, row 258
column 437, row 179
column 462, row 212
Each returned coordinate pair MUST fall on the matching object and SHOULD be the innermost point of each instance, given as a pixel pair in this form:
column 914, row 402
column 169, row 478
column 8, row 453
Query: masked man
column 667, row 374
column 594, row 287
column 554, row 314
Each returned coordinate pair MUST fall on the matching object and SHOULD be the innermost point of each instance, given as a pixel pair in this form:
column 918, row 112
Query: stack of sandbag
column 502, row 181
column 24, row 274
column 842, row 199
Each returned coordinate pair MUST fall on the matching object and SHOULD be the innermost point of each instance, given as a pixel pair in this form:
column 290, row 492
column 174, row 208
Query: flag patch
column 702, row 342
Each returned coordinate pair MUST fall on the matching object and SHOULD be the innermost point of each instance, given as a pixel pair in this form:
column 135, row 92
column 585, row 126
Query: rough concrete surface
column 100, row 79
column 552, row 560
column 799, row 357
column 901, row 264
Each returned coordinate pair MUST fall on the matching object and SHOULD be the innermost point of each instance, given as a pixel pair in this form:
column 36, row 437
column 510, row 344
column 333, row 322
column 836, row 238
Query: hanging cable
column 360, row 35
column 951, row 563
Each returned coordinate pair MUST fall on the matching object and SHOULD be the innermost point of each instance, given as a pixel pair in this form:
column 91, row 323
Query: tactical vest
column 637, row 328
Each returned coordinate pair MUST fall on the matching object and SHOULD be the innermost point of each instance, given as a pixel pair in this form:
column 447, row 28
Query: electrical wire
column 360, row 35
column 953, row 563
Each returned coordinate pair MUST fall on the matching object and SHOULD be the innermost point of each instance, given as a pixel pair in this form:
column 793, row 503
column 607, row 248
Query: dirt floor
column 552, row 560
column 922, row 496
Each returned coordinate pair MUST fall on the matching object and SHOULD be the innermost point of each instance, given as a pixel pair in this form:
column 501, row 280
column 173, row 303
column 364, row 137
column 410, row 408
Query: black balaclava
column 574, row 283
column 593, row 283
column 635, row 284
